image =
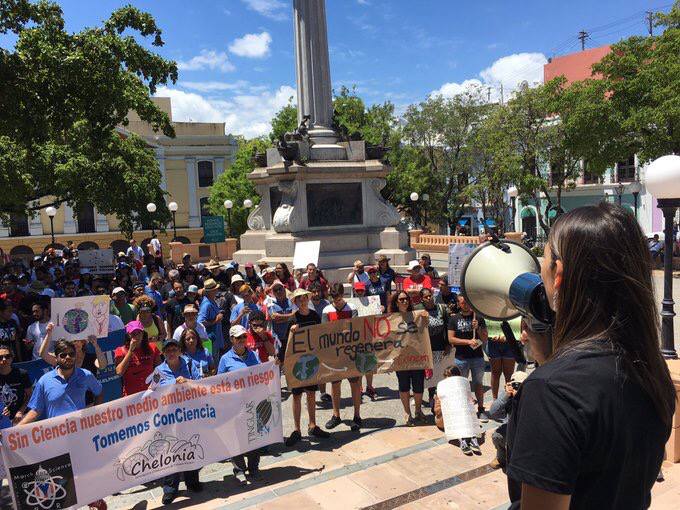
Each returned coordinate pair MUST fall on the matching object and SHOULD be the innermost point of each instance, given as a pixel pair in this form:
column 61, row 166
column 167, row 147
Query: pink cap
column 133, row 326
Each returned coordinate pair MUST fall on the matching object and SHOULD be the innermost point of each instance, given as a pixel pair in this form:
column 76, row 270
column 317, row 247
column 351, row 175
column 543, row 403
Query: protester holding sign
column 409, row 379
column 439, row 340
column 136, row 359
column 340, row 309
column 303, row 317
column 468, row 333
column 178, row 370
column 377, row 287
column 239, row 356
column 15, row 389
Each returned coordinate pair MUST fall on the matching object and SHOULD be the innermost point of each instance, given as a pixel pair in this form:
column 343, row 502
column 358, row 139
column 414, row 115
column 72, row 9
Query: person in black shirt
column 174, row 308
column 446, row 296
column 15, row 389
column 304, row 317
column 467, row 334
column 10, row 331
column 589, row 425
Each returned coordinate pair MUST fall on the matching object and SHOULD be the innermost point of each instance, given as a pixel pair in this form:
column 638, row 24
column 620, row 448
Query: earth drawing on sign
column 366, row 362
column 306, row 367
column 75, row 321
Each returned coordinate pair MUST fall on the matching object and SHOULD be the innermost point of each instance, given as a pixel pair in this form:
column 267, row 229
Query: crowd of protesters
column 194, row 320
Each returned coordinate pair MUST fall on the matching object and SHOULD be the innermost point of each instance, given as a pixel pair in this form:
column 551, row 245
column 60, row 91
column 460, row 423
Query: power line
column 583, row 35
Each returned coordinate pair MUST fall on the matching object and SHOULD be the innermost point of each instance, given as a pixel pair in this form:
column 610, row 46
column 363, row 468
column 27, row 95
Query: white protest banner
column 367, row 305
column 79, row 317
column 458, row 253
column 440, row 362
column 97, row 261
column 306, row 252
column 68, row 461
column 460, row 420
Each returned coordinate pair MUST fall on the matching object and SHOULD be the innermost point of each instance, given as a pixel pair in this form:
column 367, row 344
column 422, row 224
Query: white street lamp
column 51, row 212
column 247, row 203
column 151, row 207
column 228, row 204
column 173, row 209
column 414, row 197
column 662, row 179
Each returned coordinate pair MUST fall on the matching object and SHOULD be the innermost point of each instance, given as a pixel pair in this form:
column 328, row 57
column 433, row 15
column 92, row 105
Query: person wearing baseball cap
column 125, row 310
column 176, row 369
column 240, row 356
column 136, row 359
column 359, row 289
column 416, row 281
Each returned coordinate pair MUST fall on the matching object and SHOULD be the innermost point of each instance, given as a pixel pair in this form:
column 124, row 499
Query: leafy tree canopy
column 62, row 95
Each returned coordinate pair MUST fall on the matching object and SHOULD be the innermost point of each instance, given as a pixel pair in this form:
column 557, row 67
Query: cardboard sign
column 79, row 317
column 353, row 347
column 458, row 253
column 97, row 261
column 306, row 252
column 367, row 305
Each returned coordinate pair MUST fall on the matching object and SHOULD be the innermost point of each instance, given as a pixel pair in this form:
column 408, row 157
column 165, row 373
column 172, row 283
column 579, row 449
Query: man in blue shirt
column 62, row 390
column 239, row 314
column 153, row 292
column 210, row 315
column 281, row 311
column 176, row 369
column 239, row 356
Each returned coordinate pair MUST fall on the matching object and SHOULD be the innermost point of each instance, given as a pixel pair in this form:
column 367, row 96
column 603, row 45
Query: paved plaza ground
column 384, row 466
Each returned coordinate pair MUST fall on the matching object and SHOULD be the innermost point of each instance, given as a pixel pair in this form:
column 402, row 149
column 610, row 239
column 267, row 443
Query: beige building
column 189, row 164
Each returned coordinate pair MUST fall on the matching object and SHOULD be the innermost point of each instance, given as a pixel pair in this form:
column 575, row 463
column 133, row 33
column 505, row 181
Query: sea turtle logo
column 161, row 452
column 45, row 490
column 306, row 367
column 75, row 321
column 268, row 416
column 365, row 362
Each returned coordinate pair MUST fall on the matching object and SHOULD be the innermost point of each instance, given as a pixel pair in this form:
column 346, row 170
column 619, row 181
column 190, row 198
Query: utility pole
column 502, row 98
column 650, row 19
column 488, row 94
column 583, row 35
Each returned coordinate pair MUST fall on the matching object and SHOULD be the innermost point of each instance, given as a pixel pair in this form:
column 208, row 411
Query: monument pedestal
column 336, row 202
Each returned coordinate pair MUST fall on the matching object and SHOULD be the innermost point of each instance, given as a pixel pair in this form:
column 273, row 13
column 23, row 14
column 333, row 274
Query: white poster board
column 440, row 362
column 97, row 261
column 458, row 253
column 367, row 305
column 79, row 317
column 458, row 411
column 306, row 252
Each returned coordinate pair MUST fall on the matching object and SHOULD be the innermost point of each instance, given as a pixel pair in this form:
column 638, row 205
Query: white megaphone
column 501, row 281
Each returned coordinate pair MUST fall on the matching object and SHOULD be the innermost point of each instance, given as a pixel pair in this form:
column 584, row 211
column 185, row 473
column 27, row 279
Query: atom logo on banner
column 47, row 485
column 45, row 490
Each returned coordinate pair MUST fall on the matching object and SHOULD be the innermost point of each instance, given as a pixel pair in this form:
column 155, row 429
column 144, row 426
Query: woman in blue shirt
column 177, row 370
column 239, row 356
column 192, row 348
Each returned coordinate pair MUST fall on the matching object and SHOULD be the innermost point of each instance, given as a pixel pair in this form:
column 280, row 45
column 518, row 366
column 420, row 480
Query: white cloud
column 272, row 9
column 210, row 86
column 207, row 59
column 247, row 114
column 508, row 71
column 252, row 45
column 363, row 2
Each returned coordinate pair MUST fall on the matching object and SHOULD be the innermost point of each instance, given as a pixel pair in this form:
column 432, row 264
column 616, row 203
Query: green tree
column 62, row 96
column 234, row 185
column 283, row 122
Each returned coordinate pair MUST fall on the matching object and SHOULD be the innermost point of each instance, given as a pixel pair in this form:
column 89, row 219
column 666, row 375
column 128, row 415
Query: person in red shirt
column 259, row 339
column 136, row 359
column 416, row 281
column 340, row 309
column 313, row 275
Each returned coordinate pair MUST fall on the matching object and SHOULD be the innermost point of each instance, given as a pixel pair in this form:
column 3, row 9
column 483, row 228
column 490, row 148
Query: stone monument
column 316, row 187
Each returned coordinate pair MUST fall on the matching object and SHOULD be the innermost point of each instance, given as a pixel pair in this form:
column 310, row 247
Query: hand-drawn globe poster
column 79, row 317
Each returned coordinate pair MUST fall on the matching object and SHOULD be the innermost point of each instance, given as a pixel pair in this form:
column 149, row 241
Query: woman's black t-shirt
column 579, row 426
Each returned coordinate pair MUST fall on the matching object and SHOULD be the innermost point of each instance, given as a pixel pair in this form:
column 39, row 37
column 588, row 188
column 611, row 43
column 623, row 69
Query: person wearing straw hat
column 303, row 317
column 210, row 316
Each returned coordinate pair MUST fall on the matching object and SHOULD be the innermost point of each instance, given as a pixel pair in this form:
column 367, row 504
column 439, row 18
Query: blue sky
column 236, row 57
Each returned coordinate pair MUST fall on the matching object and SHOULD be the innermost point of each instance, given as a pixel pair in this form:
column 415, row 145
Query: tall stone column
column 313, row 69
column 194, row 212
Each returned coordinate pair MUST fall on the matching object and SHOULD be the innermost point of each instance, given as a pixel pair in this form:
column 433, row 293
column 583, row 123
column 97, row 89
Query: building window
column 18, row 225
column 625, row 170
column 85, row 219
column 204, row 206
column 205, row 174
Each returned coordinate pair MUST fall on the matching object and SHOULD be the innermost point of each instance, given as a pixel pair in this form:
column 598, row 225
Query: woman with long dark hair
column 589, row 425
column 409, row 379
column 191, row 345
column 284, row 276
